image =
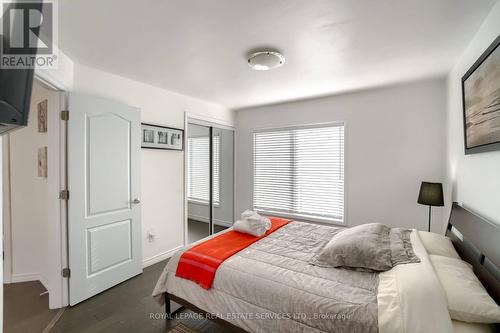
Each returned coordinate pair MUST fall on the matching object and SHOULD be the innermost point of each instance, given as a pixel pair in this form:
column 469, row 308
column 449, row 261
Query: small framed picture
column 161, row 137
column 42, row 116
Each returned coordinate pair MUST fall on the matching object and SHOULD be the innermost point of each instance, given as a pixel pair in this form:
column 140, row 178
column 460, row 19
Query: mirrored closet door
column 210, row 176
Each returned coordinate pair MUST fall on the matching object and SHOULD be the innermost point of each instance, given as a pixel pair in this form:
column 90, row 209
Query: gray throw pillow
column 371, row 247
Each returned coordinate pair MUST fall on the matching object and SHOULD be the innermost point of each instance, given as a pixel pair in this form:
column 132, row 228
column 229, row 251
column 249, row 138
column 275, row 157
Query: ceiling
column 199, row 47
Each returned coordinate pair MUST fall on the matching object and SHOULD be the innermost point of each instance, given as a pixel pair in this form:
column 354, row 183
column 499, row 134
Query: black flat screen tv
column 15, row 88
column 15, row 97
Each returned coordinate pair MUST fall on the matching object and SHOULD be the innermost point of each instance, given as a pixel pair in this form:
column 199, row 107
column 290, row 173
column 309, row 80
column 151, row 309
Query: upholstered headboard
column 477, row 241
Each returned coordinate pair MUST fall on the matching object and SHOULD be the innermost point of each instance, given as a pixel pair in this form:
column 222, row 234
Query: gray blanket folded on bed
column 349, row 301
column 274, row 277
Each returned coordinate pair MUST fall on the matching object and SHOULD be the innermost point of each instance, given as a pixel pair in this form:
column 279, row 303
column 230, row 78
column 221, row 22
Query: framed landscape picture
column 161, row 137
column 481, row 102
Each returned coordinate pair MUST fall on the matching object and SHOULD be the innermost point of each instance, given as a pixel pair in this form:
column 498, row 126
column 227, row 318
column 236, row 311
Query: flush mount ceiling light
column 265, row 60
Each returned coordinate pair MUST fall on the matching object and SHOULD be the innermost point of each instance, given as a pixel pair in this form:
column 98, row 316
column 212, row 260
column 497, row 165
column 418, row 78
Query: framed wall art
column 161, row 137
column 481, row 102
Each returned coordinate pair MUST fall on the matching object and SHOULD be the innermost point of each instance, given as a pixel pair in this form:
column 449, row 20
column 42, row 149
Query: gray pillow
column 368, row 247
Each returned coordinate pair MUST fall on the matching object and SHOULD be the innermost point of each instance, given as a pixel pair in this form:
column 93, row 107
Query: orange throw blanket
column 200, row 262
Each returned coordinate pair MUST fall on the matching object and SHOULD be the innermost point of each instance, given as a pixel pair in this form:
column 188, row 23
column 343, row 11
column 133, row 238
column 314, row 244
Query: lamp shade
column 431, row 194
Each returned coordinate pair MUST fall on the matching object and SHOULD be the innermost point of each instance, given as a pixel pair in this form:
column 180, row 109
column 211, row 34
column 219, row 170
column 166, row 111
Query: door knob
column 136, row 201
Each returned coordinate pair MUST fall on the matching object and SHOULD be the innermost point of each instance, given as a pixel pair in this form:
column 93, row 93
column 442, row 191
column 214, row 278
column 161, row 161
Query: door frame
column 57, row 286
column 6, row 228
column 198, row 119
column 58, row 238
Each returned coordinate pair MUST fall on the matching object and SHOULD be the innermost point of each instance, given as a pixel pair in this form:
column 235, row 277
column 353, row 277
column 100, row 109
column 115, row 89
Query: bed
column 272, row 281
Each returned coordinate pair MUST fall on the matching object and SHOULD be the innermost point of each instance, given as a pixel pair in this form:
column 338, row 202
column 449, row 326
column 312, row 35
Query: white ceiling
column 198, row 47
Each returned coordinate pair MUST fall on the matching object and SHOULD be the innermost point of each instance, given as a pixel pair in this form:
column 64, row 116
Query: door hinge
column 64, row 195
column 65, row 115
column 66, row 273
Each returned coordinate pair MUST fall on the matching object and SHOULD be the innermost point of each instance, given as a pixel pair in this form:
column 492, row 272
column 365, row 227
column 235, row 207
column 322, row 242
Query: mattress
column 270, row 286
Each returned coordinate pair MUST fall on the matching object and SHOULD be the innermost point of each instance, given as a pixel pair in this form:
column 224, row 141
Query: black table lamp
column 431, row 194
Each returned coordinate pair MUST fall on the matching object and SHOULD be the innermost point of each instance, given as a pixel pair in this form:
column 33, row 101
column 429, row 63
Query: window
column 299, row 172
column 198, row 169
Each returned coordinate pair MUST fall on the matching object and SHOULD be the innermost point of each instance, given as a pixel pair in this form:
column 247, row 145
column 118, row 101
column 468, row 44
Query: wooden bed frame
column 476, row 240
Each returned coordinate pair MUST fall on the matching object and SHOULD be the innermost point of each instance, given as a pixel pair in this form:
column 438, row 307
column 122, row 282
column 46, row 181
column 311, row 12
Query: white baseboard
column 25, row 277
column 159, row 257
column 222, row 223
column 216, row 221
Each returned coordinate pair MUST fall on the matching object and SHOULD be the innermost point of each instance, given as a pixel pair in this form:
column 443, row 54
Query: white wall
column 162, row 171
column 394, row 139
column 474, row 179
column 29, row 195
column 62, row 76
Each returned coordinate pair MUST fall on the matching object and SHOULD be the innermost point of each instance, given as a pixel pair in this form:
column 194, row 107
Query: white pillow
column 438, row 245
column 467, row 299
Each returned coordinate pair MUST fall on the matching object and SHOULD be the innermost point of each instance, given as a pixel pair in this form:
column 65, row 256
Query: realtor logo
column 28, row 33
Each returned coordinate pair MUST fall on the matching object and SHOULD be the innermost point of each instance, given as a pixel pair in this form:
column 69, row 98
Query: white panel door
column 104, row 215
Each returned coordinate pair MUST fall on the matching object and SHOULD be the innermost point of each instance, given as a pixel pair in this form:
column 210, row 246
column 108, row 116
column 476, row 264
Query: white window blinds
column 299, row 172
column 199, row 167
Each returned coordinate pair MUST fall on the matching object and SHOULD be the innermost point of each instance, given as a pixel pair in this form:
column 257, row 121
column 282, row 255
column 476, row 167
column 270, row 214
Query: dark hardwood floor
column 24, row 309
column 127, row 307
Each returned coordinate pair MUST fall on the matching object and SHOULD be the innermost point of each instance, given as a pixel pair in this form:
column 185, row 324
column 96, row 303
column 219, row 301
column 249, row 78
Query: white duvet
column 269, row 286
column 411, row 298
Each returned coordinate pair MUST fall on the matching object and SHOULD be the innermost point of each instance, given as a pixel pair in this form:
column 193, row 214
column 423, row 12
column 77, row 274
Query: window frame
column 303, row 217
